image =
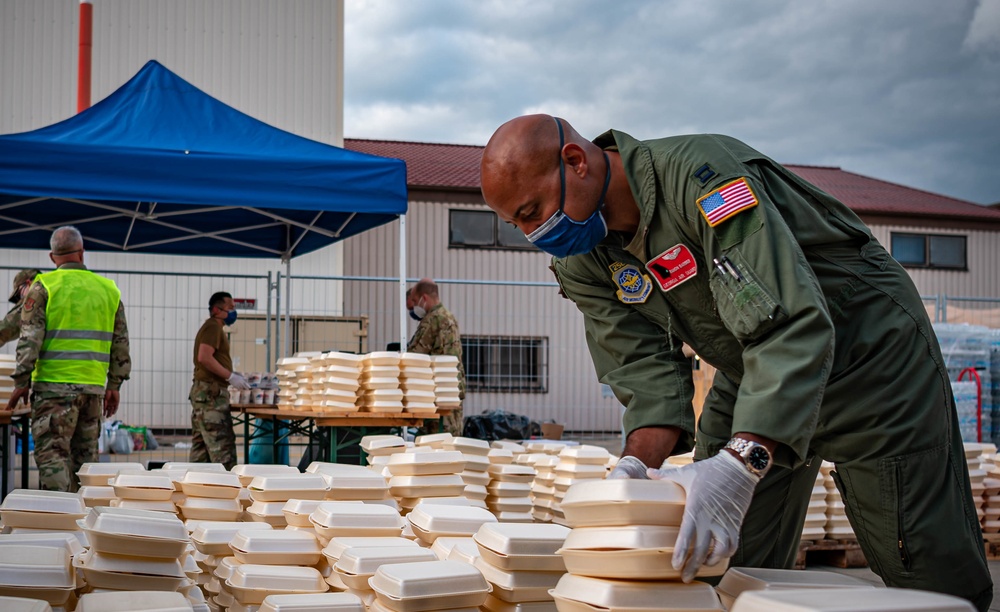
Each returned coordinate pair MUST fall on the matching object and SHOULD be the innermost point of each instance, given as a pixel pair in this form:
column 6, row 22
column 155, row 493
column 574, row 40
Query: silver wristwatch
column 755, row 455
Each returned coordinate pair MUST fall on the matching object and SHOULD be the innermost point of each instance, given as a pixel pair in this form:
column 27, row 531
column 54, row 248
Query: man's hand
column 629, row 468
column 111, row 399
column 718, row 491
column 15, row 397
column 237, row 381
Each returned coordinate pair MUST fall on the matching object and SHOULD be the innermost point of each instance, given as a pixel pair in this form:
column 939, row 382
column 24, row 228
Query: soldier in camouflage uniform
column 212, row 437
column 74, row 339
column 437, row 334
column 10, row 327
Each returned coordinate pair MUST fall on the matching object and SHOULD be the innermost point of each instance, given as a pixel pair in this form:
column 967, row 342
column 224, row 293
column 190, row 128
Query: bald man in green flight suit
column 822, row 344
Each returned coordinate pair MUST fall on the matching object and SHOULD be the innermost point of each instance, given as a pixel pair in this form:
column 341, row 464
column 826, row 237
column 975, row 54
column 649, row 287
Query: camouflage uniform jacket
column 438, row 334
column 10, row 327
column 33, row 335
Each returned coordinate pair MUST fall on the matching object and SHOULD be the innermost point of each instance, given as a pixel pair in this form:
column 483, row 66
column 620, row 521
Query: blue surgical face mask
column 562, row 236
column 230, row 317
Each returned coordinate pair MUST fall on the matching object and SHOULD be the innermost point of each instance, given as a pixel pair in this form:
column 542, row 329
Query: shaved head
column 520, row 150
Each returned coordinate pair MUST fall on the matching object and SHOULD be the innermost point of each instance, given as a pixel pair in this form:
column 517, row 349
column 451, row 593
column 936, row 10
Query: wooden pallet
column 835, row 553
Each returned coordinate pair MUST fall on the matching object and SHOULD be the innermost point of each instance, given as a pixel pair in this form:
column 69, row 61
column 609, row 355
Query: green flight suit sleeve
column 646, row 369
column 10, row 327
column 777, row 310
column 120, row 365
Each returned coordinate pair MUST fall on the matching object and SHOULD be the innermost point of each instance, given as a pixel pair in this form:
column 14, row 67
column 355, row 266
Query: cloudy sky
column 902, row 90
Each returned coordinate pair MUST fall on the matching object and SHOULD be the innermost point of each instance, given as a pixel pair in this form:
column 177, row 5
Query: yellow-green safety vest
column 80, row 321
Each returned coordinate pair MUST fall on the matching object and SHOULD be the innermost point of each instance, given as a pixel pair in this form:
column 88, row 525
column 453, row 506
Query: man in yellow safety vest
column 73, row 355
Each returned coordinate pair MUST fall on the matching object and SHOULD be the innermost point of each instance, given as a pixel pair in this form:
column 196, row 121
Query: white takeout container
column 512, row 472
column 320, row 602
column 122, row 531
column 739, row 580
column 211, row 508
column 839, row 600
column 429, row 585
column 518, row 586
column 276, row 547
column 133, row 601
column 247, row 472
column 222, row 485
column 333, row 519
column 213, row 537
column 285, row 487
column 519, row 546
column 582, row 594
column 605, row 503
column 357, row 564
column 99, row 474
column 143, row 486
column 427, row 486
column 42, row 509
column 252, row 583
column 431, row 521
column 267, row 512
column 57, row 539
column 297, row 511
column 339, row 544
column 97, row 495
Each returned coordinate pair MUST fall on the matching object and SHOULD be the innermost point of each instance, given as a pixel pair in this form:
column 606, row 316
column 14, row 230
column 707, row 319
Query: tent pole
column 288, row 301
column 268, row 323
column 402, row 282
column 277, row 317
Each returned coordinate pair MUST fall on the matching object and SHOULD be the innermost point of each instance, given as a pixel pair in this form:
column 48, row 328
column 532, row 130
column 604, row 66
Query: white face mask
column 419, row 311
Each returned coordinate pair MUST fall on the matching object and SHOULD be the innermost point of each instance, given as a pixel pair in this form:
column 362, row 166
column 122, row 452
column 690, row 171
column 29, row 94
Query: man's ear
column 51, row 257
column 575, row 159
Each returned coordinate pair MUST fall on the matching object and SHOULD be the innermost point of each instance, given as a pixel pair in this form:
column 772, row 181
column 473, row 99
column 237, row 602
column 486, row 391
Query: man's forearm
column 652, row 445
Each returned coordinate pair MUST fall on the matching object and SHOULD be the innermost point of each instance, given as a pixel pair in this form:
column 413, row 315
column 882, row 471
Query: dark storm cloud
column 903, row 90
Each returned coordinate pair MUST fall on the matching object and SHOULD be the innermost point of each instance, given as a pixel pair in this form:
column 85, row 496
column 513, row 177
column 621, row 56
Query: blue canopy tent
column 159, row 166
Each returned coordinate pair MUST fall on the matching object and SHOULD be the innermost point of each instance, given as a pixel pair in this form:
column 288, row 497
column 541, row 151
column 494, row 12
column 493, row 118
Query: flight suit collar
column 635, row 156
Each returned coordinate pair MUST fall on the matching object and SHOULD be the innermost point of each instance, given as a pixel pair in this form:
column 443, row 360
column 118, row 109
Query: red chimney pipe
column 86, row 44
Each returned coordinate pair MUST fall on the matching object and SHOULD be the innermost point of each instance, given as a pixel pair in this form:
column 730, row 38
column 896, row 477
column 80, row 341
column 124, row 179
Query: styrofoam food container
column 297, row 511
column 476, row 463
column 133, row 601
column 840, row 600
column 153, row 505
column 268, row 512
column 443, row 546
column 739, row 580
column 277, row 547
column 143, row 486
column 584, row 455
column 469, row 446
column 139, row 566
column 99, row 474
column 125, row 580
column 96, row 495
column 339, row 544
column 512, row 472
column 501, row 456
column 433, row 440
column 356, row 565
column 223, row 485
column 582, row 594
column 492, row 604
column 580, row 470
column 381, row 445
column 429, row 585
column 285, row 487
column 29, row 567
column 608, row 503
column 122, row 531
column 518, row 586
column 57, row 539
column 465, row 551
column 252, row 583
column 211, row 508
column 42, row 509
column 320, row 602
column 431, row 521
column 427, row 486
column 499, row 488
column 213, row 537
column 518, row 546
column 481, row 479
column 332, row 519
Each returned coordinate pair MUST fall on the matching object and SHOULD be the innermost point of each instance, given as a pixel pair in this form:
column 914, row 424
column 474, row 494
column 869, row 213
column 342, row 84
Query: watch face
column 758, row 458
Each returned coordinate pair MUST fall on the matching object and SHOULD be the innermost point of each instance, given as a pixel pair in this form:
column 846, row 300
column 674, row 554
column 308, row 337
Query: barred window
column 482, row 229
column 506, row 364
column 929, row 250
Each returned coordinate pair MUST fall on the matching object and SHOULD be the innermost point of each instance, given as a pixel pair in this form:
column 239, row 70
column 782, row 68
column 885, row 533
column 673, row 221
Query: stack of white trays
column 380, row 390
column 509, row 492
column 447, row 390
column 416, row 380
column 341, row 378
column 814, row 527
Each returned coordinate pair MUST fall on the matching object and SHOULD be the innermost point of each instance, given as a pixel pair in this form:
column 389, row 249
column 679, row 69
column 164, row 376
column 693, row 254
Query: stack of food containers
column 509, row 492
column 477, row 463
column 991, row 496
column 289, row 369
column 211, row 496
column 618, row 552
column 340, row 375
column 521, row 563
column 7, row 365
column 95, row 481
column 340, row 544
column 814, row 527
column 357, row 564
column 380, row 391
column 576, row 464
column 425, row 474
column 447, row 389
column 428, row 585
column 213, row 555
column 416, row 379
column 134, row 550
column 977, row 474
column 378, row 448
column 837, row 526
column 352, row 482
column 44, row 573
column 430, row 521
column 271, row 493
column 543, row 491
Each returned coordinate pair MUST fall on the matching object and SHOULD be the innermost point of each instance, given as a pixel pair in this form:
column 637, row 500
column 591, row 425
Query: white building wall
column 281, row 62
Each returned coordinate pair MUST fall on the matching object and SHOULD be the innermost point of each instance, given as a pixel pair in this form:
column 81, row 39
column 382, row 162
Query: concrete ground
column 173, row 449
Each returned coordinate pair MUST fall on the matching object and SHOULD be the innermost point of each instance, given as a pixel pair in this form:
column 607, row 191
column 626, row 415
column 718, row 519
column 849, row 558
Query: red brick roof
column 456, row 167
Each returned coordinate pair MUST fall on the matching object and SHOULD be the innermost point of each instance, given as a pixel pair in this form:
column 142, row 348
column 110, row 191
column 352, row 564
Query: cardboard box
column 552, row 431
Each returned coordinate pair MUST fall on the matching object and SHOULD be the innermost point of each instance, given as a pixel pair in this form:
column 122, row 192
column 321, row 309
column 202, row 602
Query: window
column 506, row 364
column 929, row 250
column 482, row 229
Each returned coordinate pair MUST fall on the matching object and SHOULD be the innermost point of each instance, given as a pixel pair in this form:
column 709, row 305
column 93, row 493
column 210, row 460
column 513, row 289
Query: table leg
column 246, row 438
column 25, row 453
column 5, row 432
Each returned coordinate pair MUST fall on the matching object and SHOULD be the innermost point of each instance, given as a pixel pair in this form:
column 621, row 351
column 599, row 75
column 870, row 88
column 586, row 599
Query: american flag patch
column 726, row 201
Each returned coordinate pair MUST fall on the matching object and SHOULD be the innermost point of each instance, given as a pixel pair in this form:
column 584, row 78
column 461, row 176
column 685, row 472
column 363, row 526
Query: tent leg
column 288, row 303
column 402, row 283
column 268, row 324
column 277, row 317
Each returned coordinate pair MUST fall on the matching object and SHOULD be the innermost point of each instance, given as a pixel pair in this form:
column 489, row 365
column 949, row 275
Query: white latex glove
column 238, row 382
column 718, row 496
column 629, row 468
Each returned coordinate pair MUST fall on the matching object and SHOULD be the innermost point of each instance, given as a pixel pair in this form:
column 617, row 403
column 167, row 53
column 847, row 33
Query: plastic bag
column 497, row 425
column 138, row 436
column 121, row 442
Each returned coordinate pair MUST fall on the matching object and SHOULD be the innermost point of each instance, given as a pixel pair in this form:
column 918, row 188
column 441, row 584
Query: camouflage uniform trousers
column 65, row 429
column 212, row 437
column 453, row 422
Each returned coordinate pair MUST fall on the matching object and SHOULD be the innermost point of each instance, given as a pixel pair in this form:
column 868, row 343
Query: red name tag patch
column 672, row 267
